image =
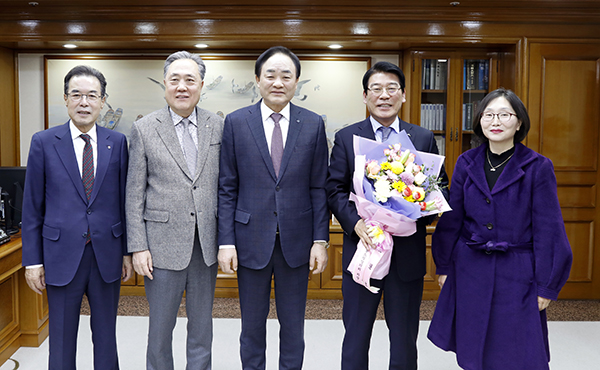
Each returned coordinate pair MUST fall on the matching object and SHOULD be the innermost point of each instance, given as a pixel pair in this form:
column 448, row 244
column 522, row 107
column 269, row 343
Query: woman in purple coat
column 502, row 253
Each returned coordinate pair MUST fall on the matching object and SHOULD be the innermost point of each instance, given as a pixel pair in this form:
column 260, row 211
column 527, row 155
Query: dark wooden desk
column 23, row 313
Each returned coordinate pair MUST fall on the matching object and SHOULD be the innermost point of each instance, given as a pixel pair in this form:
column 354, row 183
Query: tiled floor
column 574, row 346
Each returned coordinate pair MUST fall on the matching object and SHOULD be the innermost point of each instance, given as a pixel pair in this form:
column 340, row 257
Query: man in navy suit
column 74, row 222
column 383, row 93
column 273, row 218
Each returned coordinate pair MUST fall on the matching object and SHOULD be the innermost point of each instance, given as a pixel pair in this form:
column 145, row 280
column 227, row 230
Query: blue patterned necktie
column 276, row 143
column 385, row 133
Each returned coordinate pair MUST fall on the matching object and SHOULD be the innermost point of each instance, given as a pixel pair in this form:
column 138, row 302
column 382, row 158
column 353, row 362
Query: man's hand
column 543, row 303
column 228, row 260
column 127, row 271
column 318, row 256
column 142, row 263
column 442, row 280
column 361, row 230
column 36, row 279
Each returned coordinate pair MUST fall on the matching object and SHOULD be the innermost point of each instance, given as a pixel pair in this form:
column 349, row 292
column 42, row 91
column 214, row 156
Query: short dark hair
column 383, row 67
column 515, row 103
column 86, row 71
column 185, row 55
column 272, row 51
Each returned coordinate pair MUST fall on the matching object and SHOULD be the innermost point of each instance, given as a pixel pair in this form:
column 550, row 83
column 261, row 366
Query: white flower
column 382, row 190
column 419, row 178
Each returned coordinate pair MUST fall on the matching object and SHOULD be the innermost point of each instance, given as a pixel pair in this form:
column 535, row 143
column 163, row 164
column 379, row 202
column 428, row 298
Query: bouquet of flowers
column 394, row 186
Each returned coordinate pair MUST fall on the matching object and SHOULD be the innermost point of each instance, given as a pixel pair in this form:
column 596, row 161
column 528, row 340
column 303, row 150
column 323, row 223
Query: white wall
column 31, row 99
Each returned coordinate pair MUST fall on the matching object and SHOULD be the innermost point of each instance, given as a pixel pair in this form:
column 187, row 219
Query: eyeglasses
column 91, row 97
column 503, row 117
column 378, row 90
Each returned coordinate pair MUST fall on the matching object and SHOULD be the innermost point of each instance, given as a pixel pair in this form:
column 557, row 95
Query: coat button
column 275, row 213
column 489, row 226
column 277, row 188
column 84, row 235
column 488, row 201
column 89, row 211
column 195, row 187
column 192, row 214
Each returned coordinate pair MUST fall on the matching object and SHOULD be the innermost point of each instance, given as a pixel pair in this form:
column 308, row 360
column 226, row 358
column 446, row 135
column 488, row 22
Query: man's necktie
column 189, row 148
column 88, row 166
column 88, row 173
column 276, row 143
column 385, row 133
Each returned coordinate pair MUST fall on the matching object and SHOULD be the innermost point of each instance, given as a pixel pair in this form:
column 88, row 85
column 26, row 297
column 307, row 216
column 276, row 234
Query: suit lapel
column 255, row 124
column 204, row 131
column 476, row 170
column 514, row 168
column 105, row 148
column 166, row 130
column 365, row 129
column 294, row 128
column 66, row 153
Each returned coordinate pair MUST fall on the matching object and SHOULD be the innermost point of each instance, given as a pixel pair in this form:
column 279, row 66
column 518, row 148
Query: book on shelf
column 434, row 74
column 476, row 74
column 425, row 84
column 433, row 116
column 467, row 122
column 441, row 144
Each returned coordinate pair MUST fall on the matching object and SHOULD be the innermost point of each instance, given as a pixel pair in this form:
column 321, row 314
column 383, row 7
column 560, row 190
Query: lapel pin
column 108, row 146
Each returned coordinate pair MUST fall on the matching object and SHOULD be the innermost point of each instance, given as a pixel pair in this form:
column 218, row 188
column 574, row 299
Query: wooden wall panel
column 564, row 91
column 9, row 128
column 569, row 114
column 579, row 234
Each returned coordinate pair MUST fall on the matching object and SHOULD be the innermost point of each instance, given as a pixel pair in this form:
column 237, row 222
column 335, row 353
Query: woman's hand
column 543, row 303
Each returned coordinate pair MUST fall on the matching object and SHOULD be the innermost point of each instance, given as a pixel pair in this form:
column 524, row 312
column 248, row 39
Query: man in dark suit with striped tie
column 74, row 222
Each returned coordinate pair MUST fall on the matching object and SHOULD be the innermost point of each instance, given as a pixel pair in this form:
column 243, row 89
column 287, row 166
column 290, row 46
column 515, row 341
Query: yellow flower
column 376, row 234
column 397, row 167
column 399, row 185
column 386, row 166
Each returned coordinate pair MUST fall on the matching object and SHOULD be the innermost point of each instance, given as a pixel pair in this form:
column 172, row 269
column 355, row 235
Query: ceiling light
column 201, row 46
column 335, row 46
column 69, row 46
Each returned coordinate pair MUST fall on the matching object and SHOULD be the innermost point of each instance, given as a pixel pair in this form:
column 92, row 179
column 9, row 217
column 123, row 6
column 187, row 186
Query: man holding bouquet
column 383, row 93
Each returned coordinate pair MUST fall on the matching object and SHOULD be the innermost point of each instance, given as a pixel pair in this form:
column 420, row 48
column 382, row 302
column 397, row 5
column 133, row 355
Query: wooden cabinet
column 445, row 89
column 23, row 313
column 327, row 285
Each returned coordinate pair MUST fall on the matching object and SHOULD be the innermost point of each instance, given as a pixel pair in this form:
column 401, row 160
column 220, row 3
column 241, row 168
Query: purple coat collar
column 513, row 172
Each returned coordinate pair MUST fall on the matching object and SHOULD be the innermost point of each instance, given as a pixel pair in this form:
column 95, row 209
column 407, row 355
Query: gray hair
column 185, row 55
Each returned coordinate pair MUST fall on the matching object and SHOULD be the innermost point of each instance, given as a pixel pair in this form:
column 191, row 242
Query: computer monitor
column 12, row 182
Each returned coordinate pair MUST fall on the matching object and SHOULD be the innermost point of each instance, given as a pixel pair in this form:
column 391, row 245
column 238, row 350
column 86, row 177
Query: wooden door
column 563, row 100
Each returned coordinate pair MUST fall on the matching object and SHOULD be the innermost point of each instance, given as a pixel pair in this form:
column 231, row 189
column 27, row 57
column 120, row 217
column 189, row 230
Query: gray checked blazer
column 164, row 204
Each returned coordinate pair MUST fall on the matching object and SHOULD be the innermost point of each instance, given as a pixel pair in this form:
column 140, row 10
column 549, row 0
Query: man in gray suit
column 171, row 210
